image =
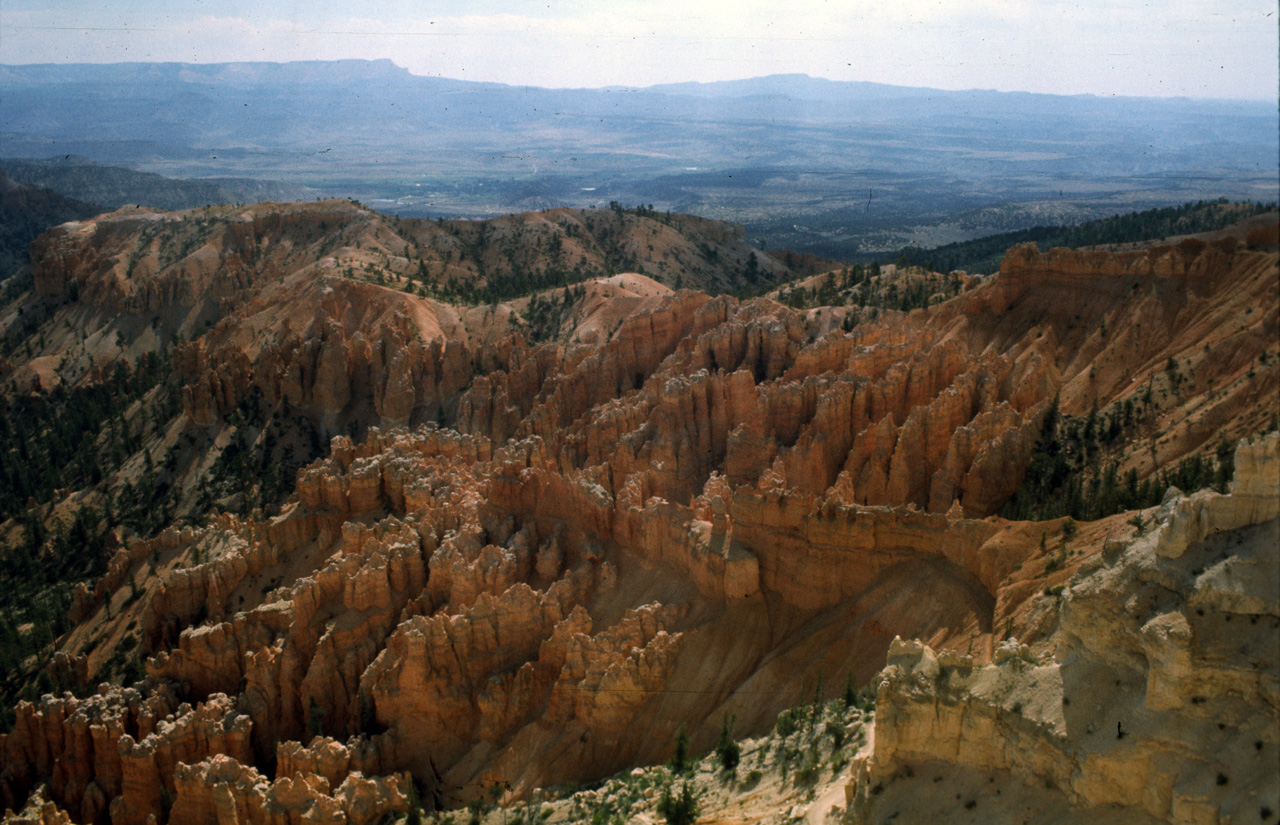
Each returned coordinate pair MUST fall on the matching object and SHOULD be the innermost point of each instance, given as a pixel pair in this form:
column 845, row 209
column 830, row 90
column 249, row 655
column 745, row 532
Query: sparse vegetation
column 239, row 453
column 680, row 761
column 872, row 290
column 1074, row 472
column 727, row 750
column 681, row 808
column 984, row 254
column 544, row 316
column 75, row 437
column 806, row 741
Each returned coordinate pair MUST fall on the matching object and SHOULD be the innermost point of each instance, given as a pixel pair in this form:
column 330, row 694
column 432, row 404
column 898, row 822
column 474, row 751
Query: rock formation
column 1160, row 700
column 512, row 550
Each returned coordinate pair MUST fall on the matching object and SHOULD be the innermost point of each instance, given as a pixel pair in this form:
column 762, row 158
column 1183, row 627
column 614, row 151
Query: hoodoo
column 378, row 513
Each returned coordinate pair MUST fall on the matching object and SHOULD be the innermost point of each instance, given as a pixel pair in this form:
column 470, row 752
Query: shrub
column 681, row 809
column 728, row 750
column 837, row 733
column 807, row 774
column 415, row 807
column 786, row 724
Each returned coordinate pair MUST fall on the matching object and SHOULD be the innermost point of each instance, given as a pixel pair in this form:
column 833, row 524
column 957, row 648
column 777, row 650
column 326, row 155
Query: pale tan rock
column 38, row 811
column 1161, row 718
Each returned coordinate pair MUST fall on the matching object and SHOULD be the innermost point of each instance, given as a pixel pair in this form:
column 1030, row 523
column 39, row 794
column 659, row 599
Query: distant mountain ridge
column 307, row 72
column 768, row 152
column 807, row 87
column 199, row 97
column 205, row 102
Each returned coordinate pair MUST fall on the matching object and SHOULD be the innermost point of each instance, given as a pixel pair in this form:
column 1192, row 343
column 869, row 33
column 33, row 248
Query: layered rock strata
column 517, row 589
column 1161, row 702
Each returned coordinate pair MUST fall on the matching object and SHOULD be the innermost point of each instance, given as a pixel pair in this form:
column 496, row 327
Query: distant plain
column 845, row 170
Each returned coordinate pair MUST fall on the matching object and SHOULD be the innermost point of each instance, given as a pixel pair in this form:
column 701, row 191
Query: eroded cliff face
column 1157, row 700
column 680, row 505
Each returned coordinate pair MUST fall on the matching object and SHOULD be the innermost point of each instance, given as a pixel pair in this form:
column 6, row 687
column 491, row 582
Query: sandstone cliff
column 1160, row 703
column 511, row 550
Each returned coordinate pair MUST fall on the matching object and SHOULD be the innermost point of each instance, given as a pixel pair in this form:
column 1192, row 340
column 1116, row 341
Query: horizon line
column 628, row 87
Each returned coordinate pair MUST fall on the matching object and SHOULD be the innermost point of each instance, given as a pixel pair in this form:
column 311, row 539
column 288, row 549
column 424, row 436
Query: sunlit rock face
column 1159, row 702
column 519, row 550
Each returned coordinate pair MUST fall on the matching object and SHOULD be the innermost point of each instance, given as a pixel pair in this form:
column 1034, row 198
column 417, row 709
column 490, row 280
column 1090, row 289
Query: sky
column 1193, row 48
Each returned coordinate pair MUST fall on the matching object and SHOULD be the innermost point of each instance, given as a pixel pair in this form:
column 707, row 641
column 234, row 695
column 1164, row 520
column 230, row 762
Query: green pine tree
column 728, row 750
column 680, row 759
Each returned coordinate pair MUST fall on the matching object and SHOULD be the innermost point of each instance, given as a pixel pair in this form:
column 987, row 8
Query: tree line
column 1068, row 474
column 985, row 254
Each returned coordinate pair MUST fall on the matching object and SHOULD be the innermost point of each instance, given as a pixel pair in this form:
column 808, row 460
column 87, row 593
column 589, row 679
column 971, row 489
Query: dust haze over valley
column 842, row 169
column 644, row 443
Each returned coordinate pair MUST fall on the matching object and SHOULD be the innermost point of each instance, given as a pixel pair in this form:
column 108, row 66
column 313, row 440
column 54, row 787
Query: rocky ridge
column 1159, row 702
column 704, row 492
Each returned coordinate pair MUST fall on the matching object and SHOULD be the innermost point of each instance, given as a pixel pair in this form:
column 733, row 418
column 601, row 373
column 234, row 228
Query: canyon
column 406, row 547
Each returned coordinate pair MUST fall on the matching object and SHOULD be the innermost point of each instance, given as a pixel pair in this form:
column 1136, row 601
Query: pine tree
column 679, row 810
column 315, row 719
column 727, row 749
column 680, row 759
column 415, row 804
column 1226, row 454
column 368, row 722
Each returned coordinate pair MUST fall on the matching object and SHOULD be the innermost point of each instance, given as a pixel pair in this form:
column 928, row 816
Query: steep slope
column 1157, row 702
column 534, row 561
column 1028, row 736
column 115, row 426
column 25, row 212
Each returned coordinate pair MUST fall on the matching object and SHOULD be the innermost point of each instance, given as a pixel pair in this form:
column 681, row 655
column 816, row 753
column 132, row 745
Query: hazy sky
column 1199, row 48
